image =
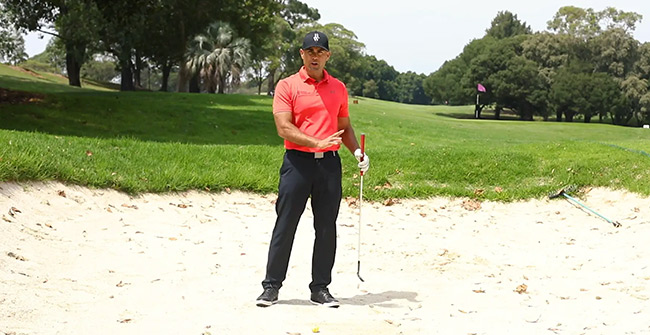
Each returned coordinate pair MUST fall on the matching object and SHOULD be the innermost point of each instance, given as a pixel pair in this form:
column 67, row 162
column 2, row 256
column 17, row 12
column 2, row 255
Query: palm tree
column 218, row 57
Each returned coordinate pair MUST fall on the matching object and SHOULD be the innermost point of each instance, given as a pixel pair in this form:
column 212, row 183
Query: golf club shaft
column 363, row 145
column 591, row 210
column 359, row 234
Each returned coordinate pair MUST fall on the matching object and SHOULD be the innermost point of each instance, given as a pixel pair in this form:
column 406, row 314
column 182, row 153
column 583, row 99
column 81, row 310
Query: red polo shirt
column 316, row 106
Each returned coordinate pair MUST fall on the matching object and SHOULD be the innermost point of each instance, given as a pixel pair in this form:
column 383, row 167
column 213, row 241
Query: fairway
column 156, row 142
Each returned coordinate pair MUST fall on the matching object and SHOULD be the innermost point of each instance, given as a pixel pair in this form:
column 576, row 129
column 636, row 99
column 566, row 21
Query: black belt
column 314, row 155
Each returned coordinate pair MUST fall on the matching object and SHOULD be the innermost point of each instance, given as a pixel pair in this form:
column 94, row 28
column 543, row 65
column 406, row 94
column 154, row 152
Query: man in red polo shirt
column 310, row 109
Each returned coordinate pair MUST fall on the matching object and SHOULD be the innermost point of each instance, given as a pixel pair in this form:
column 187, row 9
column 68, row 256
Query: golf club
column 363, row 145
column 563, row 192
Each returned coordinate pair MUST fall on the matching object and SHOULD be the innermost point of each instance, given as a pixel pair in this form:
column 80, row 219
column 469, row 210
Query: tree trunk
column 569, row 116
column 258, row 76
column 73, row 67
column 587, row 118
column 183, row 78
column 558, row 116
column 627, row 118
column 497, row 113
column 73, row 54
column 222, row 85
column 271, row 82
column 126, row 82
column 211, row 86
column 638, row 119
column 195, row 85
column 526, row 116
column 137, row 70
column 166, row 69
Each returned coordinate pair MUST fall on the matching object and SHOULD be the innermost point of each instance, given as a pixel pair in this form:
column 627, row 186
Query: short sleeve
column 282, row 99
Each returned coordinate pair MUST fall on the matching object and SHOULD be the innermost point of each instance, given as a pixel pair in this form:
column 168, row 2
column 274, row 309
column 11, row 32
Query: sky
column 420, row 35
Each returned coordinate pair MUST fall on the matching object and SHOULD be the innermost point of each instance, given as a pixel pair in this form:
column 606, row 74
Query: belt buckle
column 318, row 155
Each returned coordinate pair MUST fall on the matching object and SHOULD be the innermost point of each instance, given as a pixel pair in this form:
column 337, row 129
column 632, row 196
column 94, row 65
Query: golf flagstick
column 363, row 144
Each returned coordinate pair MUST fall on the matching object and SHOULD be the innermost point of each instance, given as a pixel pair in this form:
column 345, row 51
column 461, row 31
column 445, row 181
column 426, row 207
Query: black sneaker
column 268, row 297
column 324, row 298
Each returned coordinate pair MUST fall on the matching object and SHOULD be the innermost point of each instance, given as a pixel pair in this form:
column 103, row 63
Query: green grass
column 151, row 141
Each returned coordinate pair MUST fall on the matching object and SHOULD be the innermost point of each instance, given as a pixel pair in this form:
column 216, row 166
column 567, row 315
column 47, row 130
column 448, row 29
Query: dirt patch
column 28, row 71
column 19, row 97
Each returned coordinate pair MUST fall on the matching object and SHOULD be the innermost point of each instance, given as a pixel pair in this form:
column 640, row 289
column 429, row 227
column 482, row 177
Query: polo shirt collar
column 306, row 78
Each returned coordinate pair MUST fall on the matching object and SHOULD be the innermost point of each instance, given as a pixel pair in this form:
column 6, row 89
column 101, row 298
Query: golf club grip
column 363, row 149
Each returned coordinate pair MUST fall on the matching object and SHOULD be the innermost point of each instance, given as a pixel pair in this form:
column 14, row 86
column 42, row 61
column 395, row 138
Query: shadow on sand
column 380, row 299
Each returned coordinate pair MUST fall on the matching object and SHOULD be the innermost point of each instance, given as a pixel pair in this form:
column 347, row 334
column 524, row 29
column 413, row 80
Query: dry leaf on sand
column 471, row 205
column 521, row 289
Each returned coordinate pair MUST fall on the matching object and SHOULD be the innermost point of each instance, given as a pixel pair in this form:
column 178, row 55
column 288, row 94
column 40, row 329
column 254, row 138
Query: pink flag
column 481, row 88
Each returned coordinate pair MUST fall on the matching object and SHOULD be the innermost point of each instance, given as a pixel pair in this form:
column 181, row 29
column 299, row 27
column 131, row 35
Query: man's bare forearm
column 292, row 134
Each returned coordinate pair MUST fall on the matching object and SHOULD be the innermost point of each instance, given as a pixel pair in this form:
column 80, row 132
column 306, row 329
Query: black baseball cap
column 316, row 39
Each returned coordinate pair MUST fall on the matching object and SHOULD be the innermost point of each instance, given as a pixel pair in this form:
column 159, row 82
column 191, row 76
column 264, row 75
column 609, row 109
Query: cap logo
column 316, row 37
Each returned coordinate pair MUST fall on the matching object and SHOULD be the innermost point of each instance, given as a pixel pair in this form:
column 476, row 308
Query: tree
column 452, row 82
column 615, row 52
column 611, row 18
column 280, row 50
column 99, row 69
column 218, row 55
column 505, row 25
column 410, row 89
column 12, row 44
column 489, row 69
column 347, row 53
column 297, row 13
column 518, row 86
column 282, row 53
column 579, row 91
column 636, row 91
column 123, row 25
column 456, row 80
column 252, row 19
column 587, row 23
column 642, row 64
column 53, row 58
column 549, row 51
column 370, row 89
column 579, row 22
column 445, row 86
column 74, row 20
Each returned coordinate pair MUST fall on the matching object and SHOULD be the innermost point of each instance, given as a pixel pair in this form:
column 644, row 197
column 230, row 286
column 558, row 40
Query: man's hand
column 333, row 139
column 364, row 161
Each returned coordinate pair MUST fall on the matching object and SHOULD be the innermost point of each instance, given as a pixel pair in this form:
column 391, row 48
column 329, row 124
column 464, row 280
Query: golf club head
column 359, row 271
column 561, row 192
column 554, row 195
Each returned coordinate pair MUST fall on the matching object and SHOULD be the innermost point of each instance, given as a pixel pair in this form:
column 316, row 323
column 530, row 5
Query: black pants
column 301, row 176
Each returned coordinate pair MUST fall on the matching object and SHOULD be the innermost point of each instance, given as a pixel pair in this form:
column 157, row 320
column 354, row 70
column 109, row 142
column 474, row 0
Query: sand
column 75, row 260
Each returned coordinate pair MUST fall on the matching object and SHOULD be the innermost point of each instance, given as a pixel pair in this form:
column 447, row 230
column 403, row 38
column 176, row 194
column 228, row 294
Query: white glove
column 363, row 164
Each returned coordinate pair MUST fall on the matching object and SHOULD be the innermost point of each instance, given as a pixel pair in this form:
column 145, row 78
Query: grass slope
column 152, row 141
